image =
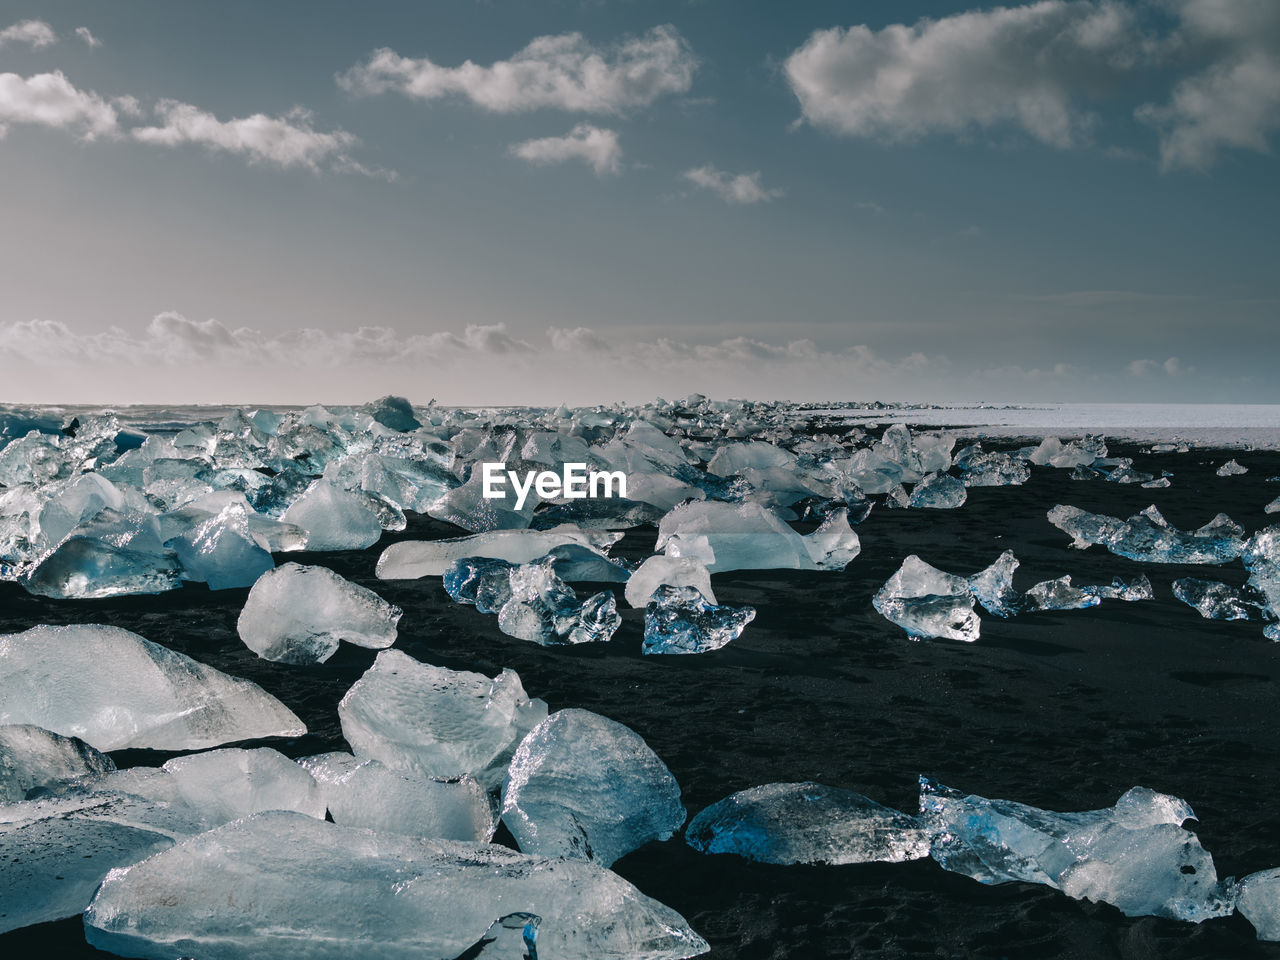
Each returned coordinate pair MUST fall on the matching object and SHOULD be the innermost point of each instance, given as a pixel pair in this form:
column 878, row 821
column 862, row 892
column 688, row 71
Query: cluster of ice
column 928, row 602
column 583, row 786
column 297, row 614
column 290, row 886
column 681, row 620
column 116, row 690
column 531, row 601
column 807, row 823
column 1149, row 537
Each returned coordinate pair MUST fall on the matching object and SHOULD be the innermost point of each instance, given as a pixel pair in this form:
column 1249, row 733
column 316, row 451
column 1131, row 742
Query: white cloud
column 564, row 72
column 286, row 141
column 592, row 145
column 87, row 36
column 739, row 188
column 1235, row 100
column 1023, row 66
column 34, row 33
column 1172, row 367
column 50, row 100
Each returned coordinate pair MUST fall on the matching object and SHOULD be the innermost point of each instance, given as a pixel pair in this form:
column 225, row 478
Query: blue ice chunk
column 681, row 620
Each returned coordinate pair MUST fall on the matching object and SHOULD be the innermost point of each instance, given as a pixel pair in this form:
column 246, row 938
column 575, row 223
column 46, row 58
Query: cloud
column 50, row 100
column 594, row 146
column 563, row 72
column 739, row 188
column 1235, row 100
column 1023, row 66
column 287, row 141
column 34, row 33
column 84, row 34
column 1173, row 367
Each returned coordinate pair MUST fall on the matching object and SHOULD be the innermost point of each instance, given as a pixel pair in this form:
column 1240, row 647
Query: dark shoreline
column 1060, row 710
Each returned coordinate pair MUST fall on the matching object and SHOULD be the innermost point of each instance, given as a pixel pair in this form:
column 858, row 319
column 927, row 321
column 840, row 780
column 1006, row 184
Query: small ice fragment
column 1231, row 469
column 1212, row 599
column 682, row 620
column 789, row 823
column 993, row 586
column 32, row 757
column 586, row 787
column 1158, row 483
column 1060, row 595
column 939, row 491
column 927, row 602
column 673, row 571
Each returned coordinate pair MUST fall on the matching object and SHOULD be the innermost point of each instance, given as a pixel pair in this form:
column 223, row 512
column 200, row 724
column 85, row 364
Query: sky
column 588, row 201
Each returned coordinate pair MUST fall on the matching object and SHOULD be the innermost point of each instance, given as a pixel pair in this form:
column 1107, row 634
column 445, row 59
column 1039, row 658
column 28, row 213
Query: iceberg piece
column 1060, row 595
column 112, row 555
column 1212, row 599
column 412, row 559
column 1261, row 558
column 586, row 787
column 335, row 519
column 1085, row 528
column 673, row 571
column 479, row 582
column 992, row 469
column 293, row 888
column 117, row 690
column 1148, row 536
column 1157, row 484
column 366, row 793
column 616, row 513
column 1125, row 473
column 437, row 723
column 574, row 562
column 927, row 602
column 1231, row 469
column 746, row 536
column 394, row 413
column 467, row 507
column 938, row 491
column 682, row 620
column 229, row 784
column 1273, row 506
column 297, row 614
column 1135, row 856
column 222, row 551
column 32, row 757
column 834, row 543
column 789, row 823
column 544, row 609
column 1139, row 588
column 993, row 587
column 1258, row 901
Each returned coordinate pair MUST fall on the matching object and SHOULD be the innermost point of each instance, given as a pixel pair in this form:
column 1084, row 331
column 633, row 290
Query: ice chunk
column 290, row 887
column 938, row 491
column 1258, row 900
column 1060, row 595
column 1273, row 506
column 1158, row 483
column 1212, row 599
column 1135, row 856
column 682, row 620
column 112, row 555
column 991, row 469
column 583, row 786
column 807, row 823
column 435, row 722
column 834, row 543
column 574, row 562
column 32, row 757
column 480, row 582
column 395, row 413
column 1261, row 558
column 993, row 586
column 753, row 454
column 746, row 536
column 366, row 793
column 335, row 519
column 297, row 614
column 226, row 785
column 117, row 690
column 1148, row 537
column 411, row 559
column 222, row 551
column 1231, row 469
column 1139, row 588
column 673, row 571
column 616, row 513
column 927, row 602
column 544, row 609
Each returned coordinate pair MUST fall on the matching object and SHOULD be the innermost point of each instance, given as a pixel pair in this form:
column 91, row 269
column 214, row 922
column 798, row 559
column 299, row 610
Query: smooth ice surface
column 807, row 823
column 222, row 551
column 112, row 555
column 747, row 536
column 1148, row 537
column 297, row 614
column 583, row 786
column 366, row 793
column 335, row 519
column 938, row 491
column 31, row 757
column 435, row 722
column 229, row 784
column 673, row 571
column 1258, row 899
column 411, row 559
column 293, row 888
column 682, row 620
column 117, row 690
column 928, row 602
column 1135, row 856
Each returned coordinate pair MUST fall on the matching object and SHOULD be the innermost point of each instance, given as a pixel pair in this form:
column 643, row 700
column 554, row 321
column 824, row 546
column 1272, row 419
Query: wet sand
column 1060, row 710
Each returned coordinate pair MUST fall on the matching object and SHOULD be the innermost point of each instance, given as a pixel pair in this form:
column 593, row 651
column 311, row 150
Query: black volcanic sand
column 1060, row 710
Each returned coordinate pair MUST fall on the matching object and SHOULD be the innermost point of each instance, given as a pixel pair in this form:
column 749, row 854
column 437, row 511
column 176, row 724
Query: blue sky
column 593, row 201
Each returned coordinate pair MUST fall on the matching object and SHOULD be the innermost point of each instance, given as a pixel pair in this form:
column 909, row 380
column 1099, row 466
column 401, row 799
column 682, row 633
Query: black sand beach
column 1060, row 710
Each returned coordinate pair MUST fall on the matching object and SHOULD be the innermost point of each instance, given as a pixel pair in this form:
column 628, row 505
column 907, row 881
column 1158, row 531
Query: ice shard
column 1212, row 599
column 229, row 784
column 544, row 609
column 928, row 602
column 411, row 559
column 747, row 536
column 789, row 823
column 335, row 519
column 293, row 888
column 117, row 690
column 112, row 555
column 1135, row 856
column 221, row 551
column 586, row 787
column 298, row 614
column 32, row 757
column 993, row 586
column 672, row 571
column 1258, row 900
column 366, row 793
column 1060, row 595
column 1231, row 469
column 437, row 723
column 682, row 620
column 938, row 491
column 1149, row 537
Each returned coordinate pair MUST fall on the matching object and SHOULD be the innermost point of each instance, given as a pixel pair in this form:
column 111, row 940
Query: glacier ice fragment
column 682, row 620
